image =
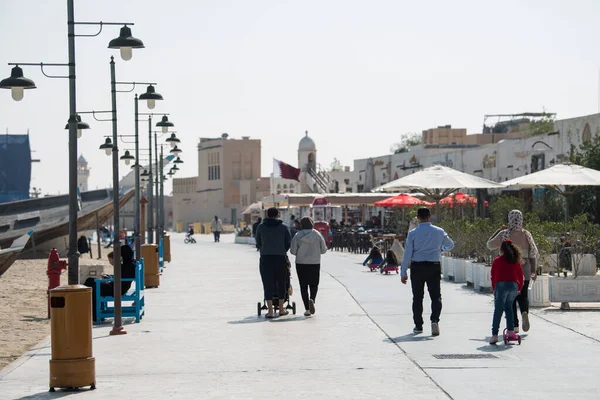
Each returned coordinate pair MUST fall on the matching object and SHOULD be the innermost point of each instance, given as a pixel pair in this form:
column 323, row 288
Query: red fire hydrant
column 55, row 267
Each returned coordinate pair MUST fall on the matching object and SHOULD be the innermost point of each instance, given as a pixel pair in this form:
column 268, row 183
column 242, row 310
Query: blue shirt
column 374, row 261
column 425, row 243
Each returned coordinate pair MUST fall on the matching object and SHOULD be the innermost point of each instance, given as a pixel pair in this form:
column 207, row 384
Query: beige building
column 444, row 135
column 448, row 136
column 223, row 164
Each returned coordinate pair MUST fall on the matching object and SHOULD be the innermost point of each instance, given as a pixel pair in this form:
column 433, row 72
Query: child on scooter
column 374, row 256
column 390, row 260
column 507, row 282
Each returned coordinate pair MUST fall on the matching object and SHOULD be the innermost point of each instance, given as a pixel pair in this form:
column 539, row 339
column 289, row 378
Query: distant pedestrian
column 254, row 229
column 255, row 226
column 422, row 255
column 507, row 281
column 216, row 228
column 308, row 245
column 296, row 228
column 413, row 224
column 273, row 239
column 524, row 241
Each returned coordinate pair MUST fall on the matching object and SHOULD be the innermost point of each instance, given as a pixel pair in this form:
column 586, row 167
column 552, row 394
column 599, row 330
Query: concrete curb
column 45, row 343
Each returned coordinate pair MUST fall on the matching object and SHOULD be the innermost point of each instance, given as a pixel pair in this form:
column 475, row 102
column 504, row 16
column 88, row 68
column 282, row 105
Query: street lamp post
column 17, row 83
column 117, row 328
column 160, row 178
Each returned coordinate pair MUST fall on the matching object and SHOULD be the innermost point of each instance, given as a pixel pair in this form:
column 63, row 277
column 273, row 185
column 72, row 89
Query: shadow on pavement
column 282, row 319
column 473, row 292
column 56, row 395
column 248, row 320
column 494, row 348
column 410, row 337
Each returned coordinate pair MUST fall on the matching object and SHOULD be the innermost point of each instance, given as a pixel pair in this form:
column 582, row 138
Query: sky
column 356, row 75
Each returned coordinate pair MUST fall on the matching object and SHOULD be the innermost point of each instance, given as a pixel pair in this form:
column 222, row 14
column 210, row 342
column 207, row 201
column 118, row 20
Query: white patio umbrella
column 565, row 179
column 438, row 182
column 254, row 207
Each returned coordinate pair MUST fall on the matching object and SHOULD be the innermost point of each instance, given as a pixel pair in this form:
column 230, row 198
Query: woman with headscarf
column 523, row 239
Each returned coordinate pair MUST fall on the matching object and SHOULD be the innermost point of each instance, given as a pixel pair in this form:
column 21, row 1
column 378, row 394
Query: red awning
column 402, row 200
column 460, row 199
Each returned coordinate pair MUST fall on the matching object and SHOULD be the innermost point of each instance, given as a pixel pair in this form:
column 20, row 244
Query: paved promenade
column 201, row 339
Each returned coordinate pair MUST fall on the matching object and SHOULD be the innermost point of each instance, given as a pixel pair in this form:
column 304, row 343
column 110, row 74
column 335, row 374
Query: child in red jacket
column 507, row 282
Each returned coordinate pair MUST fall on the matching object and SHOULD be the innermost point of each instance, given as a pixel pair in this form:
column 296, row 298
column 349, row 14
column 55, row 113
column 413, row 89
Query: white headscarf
column 515, row 224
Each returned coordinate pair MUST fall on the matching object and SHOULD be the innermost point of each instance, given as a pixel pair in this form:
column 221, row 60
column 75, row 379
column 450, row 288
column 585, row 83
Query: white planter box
column 444, row 262
column 245, row 240
column 587, row 266
column 469, row 272
column 539, row 295
column 448, row 271
column 460, row 270
column 581, row 289
column 482, row 277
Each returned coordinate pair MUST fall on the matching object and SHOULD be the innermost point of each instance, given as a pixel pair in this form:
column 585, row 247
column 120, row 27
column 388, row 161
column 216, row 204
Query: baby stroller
column 288, row 291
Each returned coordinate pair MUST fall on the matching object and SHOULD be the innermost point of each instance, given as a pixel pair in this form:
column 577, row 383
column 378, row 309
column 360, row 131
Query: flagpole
column 273, row 187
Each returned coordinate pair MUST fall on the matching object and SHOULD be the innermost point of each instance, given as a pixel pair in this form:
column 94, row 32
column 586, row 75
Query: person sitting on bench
column 107, row 288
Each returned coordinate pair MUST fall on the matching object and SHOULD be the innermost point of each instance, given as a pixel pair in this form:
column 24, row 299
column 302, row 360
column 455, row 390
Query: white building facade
column 507, row 159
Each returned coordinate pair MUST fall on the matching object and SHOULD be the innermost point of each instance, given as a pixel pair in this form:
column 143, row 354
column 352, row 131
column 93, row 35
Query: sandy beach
column 23, row 305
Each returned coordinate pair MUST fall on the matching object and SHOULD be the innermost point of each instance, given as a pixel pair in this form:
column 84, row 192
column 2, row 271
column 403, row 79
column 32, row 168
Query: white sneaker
column 435, row 329
column 526, row 325
column 494, row 339
column 307, row 313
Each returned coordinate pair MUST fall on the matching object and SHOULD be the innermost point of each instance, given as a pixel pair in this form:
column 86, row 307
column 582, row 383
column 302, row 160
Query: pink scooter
column 508, row 339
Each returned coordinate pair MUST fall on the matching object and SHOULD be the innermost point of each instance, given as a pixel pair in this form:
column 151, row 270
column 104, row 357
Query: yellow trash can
column 151, row 269
column 167, row 248
column 72, row 364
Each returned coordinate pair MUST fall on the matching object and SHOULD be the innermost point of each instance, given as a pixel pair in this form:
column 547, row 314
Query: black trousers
column 523, row 300
column 308, row 277
column 274, row 273
column 217, row 236
column 429, row 273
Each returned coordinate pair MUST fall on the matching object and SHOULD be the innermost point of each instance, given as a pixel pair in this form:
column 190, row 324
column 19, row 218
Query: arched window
column 587, row 133
column 312, row 163
column 284, row 186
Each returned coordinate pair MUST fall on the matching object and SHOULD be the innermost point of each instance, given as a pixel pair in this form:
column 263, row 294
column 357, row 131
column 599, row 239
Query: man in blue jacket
column 422, row 254
column 273, row 239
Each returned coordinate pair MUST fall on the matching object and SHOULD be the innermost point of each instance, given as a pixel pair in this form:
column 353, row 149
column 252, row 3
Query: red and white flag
column 285, row 171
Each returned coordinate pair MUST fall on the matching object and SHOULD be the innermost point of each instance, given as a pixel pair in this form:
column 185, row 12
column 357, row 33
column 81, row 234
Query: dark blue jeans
column 504, row 296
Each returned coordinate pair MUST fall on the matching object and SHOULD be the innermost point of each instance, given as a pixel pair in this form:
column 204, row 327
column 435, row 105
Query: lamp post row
column 17, row 83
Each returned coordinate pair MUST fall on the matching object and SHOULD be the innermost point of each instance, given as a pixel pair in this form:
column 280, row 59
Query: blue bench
column 161, row 249
column 135, row 294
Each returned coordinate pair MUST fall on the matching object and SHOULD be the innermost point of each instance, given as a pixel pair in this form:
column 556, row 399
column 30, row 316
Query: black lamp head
column 17, row 83
column 125, row 42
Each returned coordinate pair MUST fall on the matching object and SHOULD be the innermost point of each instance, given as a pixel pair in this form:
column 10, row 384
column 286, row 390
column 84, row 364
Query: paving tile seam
column 508, row 367
column 413, row 361
column 251, row 371
column 566, row 327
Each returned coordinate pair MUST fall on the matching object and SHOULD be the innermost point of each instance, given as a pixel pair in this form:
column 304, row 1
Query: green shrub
column 499, row 206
